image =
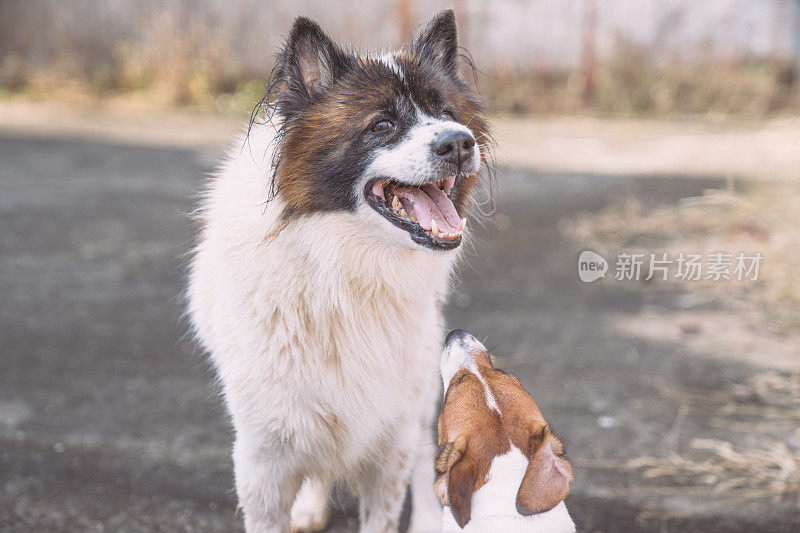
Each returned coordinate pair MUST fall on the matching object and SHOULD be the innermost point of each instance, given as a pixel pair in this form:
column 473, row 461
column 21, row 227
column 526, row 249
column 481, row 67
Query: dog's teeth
column 463, row 223
column 434, row 228
column 403, row 213
column 396, row 204
column 447, row 185
column 412, row 219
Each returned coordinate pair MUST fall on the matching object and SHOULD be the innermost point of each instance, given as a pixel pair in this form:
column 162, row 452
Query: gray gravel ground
column 109, row 420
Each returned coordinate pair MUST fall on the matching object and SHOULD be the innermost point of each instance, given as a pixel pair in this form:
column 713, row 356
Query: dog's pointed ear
column 438, row 42
column 547, row 478
column 461, row 481
column 311, row 61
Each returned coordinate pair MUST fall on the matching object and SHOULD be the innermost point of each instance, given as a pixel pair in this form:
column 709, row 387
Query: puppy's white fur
column 458, row 355
column 493, row 505
column 325, row 336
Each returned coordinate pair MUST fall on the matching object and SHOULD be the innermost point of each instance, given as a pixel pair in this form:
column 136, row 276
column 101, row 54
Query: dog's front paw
column 310, row 513
column 310, row 520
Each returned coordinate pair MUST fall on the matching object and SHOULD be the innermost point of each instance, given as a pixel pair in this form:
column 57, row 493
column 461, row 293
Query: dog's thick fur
column 322, row 318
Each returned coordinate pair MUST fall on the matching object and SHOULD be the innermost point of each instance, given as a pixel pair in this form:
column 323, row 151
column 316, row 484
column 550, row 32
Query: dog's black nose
column 454, row 146
column 456, row 334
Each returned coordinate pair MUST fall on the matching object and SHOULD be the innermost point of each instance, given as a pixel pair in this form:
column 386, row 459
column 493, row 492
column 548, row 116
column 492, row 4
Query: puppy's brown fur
column 472, row 434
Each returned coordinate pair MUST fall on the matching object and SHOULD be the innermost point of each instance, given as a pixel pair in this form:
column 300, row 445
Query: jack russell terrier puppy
column 500, row 467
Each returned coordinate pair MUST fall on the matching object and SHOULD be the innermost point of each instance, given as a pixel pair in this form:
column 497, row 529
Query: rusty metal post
column 405, row 19
column 588, row 66
column 797, row 50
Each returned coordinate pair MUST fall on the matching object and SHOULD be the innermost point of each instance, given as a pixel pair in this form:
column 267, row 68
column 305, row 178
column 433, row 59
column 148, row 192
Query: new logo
column 591, row 266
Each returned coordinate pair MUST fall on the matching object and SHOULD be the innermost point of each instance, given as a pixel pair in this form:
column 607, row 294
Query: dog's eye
column 446, row 115
column 382, row 126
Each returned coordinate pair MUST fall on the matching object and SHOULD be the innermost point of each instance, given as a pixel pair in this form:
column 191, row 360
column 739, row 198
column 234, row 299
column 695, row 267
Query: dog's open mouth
column 426, row 212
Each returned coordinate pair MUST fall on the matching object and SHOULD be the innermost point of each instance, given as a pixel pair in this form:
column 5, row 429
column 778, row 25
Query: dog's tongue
column 427, row 203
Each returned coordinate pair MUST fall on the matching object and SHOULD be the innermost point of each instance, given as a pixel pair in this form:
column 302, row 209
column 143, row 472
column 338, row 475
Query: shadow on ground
column 109, row 420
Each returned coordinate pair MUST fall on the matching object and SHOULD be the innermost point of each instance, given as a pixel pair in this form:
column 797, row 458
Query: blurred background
column 542, row 56
column 622, row 127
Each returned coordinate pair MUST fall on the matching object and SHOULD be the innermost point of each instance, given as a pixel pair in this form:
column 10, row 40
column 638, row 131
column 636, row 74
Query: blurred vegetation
column 201, row 72
column 194, row 71
column 632, row 86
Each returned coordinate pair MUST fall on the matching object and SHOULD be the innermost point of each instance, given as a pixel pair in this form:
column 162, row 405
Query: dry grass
column 715, row 464
column 714, row 473
column 755, row 449
column 631, row 85
column 723, row 472
column 198, row 68
column 195, row 69
column 764, row 219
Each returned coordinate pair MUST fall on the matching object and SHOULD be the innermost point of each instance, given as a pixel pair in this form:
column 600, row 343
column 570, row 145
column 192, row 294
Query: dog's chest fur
column 322, row 329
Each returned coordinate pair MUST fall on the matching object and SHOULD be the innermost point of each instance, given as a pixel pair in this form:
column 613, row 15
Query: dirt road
column 109, row 419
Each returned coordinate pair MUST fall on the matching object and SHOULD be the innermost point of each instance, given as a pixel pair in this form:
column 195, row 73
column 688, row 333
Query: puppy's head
column 485, row 413
column 395, row 139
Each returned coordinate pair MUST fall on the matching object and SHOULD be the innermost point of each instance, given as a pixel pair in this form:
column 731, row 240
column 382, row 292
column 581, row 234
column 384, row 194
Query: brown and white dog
column 500, row 468
column 328, row 239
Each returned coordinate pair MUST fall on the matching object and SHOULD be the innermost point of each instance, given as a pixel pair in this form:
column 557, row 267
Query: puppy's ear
column 547, row 478
column 438, row 42
column 460, row 485
column 310, row 61
column 446, row 457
